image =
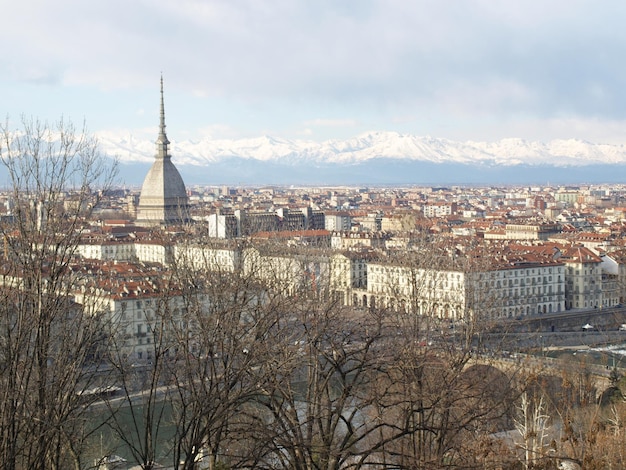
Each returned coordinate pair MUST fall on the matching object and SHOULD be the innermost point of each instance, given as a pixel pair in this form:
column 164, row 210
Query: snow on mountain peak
column 368, row 146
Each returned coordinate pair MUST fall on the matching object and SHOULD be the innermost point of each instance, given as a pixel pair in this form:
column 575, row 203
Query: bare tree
column 441, row 389
column 46, row 341
column 532, row 425
column 315, row 389
column 140, row 417
column 227, row 313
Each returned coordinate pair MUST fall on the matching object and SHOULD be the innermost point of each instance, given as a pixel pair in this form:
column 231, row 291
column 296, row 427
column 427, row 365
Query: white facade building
column 337, row 221
column 584, row 277
column 498, row 292
column 225, row 258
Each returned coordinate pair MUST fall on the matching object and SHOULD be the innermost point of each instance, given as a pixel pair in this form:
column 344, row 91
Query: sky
column 477, row 70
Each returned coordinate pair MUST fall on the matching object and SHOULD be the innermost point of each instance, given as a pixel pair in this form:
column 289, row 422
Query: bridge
column 531, row 365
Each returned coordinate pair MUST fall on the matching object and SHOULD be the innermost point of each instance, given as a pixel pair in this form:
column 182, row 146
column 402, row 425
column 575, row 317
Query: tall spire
column 162, row 141
column 163, row 199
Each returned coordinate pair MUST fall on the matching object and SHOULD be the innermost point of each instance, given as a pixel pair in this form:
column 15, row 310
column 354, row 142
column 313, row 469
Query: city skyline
column 321, row 71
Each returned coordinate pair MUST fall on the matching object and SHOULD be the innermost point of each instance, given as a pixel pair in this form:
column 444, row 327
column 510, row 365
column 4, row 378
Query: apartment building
column 439, row 209
column 369, row 222
column 584, row 277
column 335, row 221
column 288, row 270
column 358, row 240
column 505, row 287
column 523, row 287
column 245, row 223
column 154, row 251
column 525, row 231
column 428, row 292
column 214, row 257
column 223, row 225
column 348, row 275
column 105, row 249
column 134, row 300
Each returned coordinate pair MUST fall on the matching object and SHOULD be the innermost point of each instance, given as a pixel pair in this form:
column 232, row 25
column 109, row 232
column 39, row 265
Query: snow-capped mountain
column 380, row 152
column 373, row 145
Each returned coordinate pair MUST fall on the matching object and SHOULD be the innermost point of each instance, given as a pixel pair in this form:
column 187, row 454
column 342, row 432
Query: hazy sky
column 320, row 69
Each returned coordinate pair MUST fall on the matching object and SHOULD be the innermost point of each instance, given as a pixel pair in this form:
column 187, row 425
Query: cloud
column 601, row 131
column 217, row 131
column 331, row 122
column 355, row 61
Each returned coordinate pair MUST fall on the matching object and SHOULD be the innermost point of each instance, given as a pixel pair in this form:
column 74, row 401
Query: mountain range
column 376, row 158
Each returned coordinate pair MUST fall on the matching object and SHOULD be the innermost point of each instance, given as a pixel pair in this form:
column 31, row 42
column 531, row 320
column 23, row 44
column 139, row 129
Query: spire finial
column 162, row 141
column 162, row 127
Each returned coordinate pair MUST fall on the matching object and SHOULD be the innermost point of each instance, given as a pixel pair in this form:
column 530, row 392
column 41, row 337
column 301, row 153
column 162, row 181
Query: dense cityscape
column 575, row 233
column 366, row 235
column 303, row 327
